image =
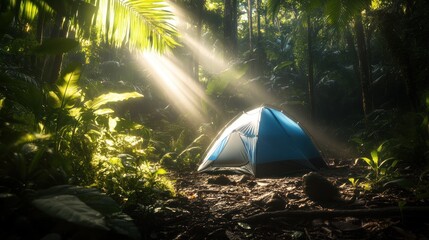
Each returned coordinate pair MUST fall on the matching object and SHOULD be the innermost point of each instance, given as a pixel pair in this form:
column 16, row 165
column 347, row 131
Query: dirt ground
column 216, row 206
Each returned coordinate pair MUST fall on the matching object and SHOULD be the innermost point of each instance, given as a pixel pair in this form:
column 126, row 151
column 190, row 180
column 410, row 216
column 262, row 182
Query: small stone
column 220, row 180
column 244, row 179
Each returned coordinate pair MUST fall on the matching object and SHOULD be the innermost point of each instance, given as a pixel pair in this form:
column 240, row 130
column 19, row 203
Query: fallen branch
column 358, row 213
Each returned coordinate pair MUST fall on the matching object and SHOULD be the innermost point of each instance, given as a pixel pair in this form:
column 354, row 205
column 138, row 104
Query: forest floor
column 218, row 206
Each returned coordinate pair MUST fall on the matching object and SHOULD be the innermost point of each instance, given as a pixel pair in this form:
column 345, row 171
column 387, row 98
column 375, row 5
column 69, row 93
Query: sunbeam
column 182, row 89
column 210, row 62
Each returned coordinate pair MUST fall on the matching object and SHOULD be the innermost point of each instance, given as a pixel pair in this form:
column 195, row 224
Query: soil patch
column 215, row 206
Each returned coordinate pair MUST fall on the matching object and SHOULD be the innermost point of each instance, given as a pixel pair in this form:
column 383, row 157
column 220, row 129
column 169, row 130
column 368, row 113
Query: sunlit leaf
column 380, row 148
column 56, row 46
column 70, row 208
column 68, row 88
column 140, row 24
column 54, row 100
column 112, row 123
column 31, row 137
column 353, row 181
column 161, row 171
column 116, row 161
column 374, row 156
column 75, row 112
column 103, row 111
column 375, row 4
column 2, row 102
column 366, row 186
column 367, row 160
column 111, row 97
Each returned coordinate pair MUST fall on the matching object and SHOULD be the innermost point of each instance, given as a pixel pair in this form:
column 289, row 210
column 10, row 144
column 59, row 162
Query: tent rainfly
column 262, row 142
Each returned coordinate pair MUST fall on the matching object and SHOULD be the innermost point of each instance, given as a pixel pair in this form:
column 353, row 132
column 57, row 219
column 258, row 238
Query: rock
column 176, row 202
column 244, row 179
column 271, row 201
column 251, row 184
column 220, row 180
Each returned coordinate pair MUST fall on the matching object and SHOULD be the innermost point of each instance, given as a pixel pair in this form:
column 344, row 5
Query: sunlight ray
column 209, row 60
column 181, row 90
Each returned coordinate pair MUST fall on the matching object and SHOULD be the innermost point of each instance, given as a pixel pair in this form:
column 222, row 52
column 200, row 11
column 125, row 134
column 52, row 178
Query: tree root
column 420, row 212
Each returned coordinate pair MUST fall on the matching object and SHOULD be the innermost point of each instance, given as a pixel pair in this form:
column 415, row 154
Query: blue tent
column 262, row 142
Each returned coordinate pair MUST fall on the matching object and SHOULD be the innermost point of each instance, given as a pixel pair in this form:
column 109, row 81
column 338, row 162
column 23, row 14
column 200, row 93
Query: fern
column 109, row 98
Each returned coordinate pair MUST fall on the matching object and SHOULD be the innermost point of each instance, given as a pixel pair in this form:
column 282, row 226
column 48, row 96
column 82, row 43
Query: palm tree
column 139, row 25
column 307, row 8
column 342, row 13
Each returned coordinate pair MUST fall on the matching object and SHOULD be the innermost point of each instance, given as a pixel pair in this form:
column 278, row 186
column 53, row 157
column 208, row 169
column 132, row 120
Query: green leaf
column 112, row 123
column 56, row 46
column 31, row 137
column 2, row 102
column 283, row 65
column 68, row 90
column 103, row 111
column 374, row 156
column 123, row 224
column 401, row 182
column 90, row 196
column 367, row 160
column 380, row 148
column 111, row 97
column 161, row 171
column 387, row 160
column 70, row 208
column 140, row 24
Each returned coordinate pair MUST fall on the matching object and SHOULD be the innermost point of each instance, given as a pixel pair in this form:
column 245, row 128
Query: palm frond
column 341, row 12
column 139, row 24
column 29, row 9
column 273, row 7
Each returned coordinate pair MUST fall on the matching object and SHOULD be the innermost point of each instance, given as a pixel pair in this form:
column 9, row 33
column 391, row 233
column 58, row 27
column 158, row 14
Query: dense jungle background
column 107, row 107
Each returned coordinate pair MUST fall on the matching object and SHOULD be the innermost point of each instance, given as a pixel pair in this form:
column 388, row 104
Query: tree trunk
column 198, row 36
column 230, row 28
column 249, row 16
column 234, row 26
column 52, row 65
column 258, row 11
column 310, row 79
column 260, row 51
column 363, row 65
column 352, row 50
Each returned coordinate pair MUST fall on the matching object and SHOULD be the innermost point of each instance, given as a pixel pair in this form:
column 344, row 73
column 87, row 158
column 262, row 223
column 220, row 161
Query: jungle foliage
column 80, row 118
